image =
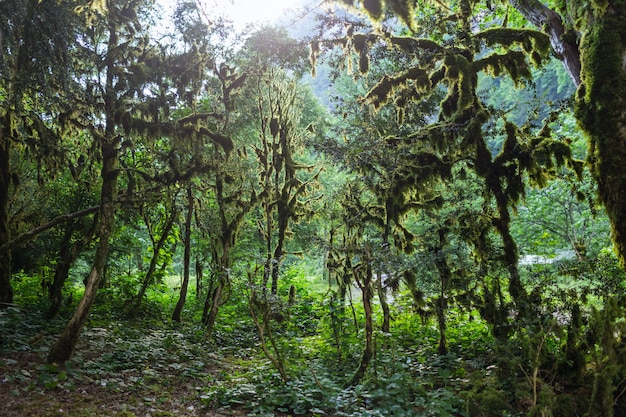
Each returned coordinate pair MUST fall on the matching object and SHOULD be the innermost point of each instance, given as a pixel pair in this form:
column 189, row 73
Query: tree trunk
column 368, row 349
column 276, row 262
column 384, row 305
column 445, row 275
column 212, row 308
column 186, row 258
column 68, row 252
column 214, row 299
column 199, row 276
column 67, row 255
column 563, row 44
column 601, row 111
column 63, row 348
column 153, row 262
column 6, row 291
column 598, row 68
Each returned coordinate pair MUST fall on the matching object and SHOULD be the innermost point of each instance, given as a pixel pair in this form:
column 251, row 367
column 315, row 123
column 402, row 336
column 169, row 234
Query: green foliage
column 389, row 229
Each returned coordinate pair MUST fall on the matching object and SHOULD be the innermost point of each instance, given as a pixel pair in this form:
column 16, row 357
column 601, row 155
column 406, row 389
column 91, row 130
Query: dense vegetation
column 191, row 224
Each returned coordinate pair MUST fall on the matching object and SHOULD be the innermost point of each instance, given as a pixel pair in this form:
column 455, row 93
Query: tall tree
column 110, row 31
column 288, row 193
column 180, row 304
column 37, row 39
column 590, row 39
column 131, row 87
column 448, row 56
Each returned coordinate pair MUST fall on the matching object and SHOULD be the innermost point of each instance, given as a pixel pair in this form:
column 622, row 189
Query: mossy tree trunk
column 149, row 277
column 214, row 298
column 384, row 305
column 601, row 111
column 445, row 276
column 109, row 143
column 597, row 66
column 6, row 291
column 176, row 315
column 231, row 211
column 365, row 284
column 63, row 348
column 78, row 233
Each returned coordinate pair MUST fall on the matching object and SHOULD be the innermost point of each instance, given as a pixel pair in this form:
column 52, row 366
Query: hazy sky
column 242, row 12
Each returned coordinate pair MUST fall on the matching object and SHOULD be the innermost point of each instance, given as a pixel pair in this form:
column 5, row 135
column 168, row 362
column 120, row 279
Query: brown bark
column 63, row 348
column 445, row 275
column 149, row 277
column 550, row 22
column 68, row 252
column 212, row 307
column 384, row 305
column 67, row 255
column 186, row 258
column 601, row 111
column 199, row 276
column 368, row 349
column 6, row 291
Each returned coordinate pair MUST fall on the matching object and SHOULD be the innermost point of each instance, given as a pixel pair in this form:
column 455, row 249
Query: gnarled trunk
column 563, row 45
column 6, row 291
column 63, row 348
column 186, row 258
column 368, row 350
column 601, row 111
column 598, row 68
column 149, row 277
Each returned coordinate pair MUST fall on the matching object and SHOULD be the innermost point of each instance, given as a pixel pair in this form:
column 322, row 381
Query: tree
column 132, row 86
column 38, row 40
column 590, row 39
column 448, row 57
column 288, row 193
column 168, row 215
column 231, row 195
column 180, row 304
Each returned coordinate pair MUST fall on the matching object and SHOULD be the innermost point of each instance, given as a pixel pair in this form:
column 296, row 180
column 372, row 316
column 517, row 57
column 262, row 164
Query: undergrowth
column 555, row 365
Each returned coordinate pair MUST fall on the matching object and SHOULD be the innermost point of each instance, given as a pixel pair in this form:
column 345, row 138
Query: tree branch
column 550, row 22
column 24, row 237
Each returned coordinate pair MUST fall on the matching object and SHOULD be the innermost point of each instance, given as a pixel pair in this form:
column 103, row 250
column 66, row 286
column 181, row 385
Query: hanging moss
column 600, row 109
column 380, row 94
column 313, row 55
column 374, row 8
column 404, row 10
column 530, row 40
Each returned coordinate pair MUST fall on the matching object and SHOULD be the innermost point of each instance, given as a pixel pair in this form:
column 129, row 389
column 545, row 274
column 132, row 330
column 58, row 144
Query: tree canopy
column 425, row 217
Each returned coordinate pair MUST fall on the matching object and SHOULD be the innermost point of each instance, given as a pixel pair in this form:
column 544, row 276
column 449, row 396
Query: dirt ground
column 109, row 377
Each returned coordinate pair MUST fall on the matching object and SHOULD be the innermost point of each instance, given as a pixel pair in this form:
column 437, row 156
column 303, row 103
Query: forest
column 373, row 208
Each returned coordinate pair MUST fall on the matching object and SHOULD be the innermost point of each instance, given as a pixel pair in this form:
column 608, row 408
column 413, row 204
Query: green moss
column 601, row 111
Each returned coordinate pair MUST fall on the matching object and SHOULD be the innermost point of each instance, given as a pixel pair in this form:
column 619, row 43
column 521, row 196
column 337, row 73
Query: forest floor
column 121, row 369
